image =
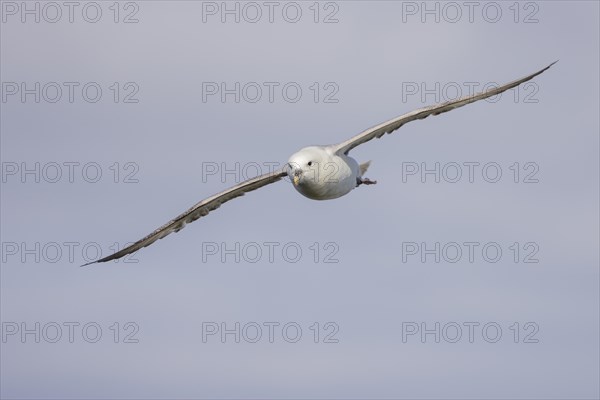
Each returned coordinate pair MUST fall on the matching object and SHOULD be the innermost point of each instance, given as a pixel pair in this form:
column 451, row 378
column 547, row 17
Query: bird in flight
column 317, row 172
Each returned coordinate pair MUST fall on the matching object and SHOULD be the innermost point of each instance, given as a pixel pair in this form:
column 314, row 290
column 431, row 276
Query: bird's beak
column 294, row 174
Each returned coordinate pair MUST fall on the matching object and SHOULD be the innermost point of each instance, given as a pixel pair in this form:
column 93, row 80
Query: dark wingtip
column 86, row 264
column 541, row 71
column 551, row 64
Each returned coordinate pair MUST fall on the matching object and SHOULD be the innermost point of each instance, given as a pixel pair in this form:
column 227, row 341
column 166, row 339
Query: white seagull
column 317, row 172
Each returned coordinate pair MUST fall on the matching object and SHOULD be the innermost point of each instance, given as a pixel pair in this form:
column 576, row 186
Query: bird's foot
column 365, row 181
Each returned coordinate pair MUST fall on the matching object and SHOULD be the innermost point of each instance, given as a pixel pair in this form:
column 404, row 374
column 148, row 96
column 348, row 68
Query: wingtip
column 542, row 70
column 551, row 64
column 86, row 264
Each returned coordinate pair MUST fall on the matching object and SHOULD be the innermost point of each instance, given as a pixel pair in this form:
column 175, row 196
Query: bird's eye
column 310, row 163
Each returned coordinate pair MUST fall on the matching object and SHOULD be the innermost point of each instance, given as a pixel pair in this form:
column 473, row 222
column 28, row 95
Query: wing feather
column 394, row 124
column 199, row 210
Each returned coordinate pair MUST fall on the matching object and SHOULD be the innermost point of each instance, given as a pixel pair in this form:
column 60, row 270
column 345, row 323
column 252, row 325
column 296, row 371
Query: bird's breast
column 329, row 179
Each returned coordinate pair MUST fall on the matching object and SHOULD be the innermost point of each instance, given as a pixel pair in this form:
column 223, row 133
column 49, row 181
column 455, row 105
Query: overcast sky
column 469, row 271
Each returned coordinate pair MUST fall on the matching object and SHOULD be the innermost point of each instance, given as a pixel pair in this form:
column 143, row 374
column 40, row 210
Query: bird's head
column 305, row 167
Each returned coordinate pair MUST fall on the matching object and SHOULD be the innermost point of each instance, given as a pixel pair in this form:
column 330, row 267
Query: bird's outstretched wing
column 197, row 211
column 391, row 125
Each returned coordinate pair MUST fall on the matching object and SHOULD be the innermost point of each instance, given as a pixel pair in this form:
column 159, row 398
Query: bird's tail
column 362, row 168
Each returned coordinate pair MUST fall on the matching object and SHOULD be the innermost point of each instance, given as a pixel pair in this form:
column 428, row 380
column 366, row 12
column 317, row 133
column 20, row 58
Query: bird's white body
column 318, row 173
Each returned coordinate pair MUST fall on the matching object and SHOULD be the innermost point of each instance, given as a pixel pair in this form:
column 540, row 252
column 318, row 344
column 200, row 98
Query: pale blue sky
column 374, row 51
